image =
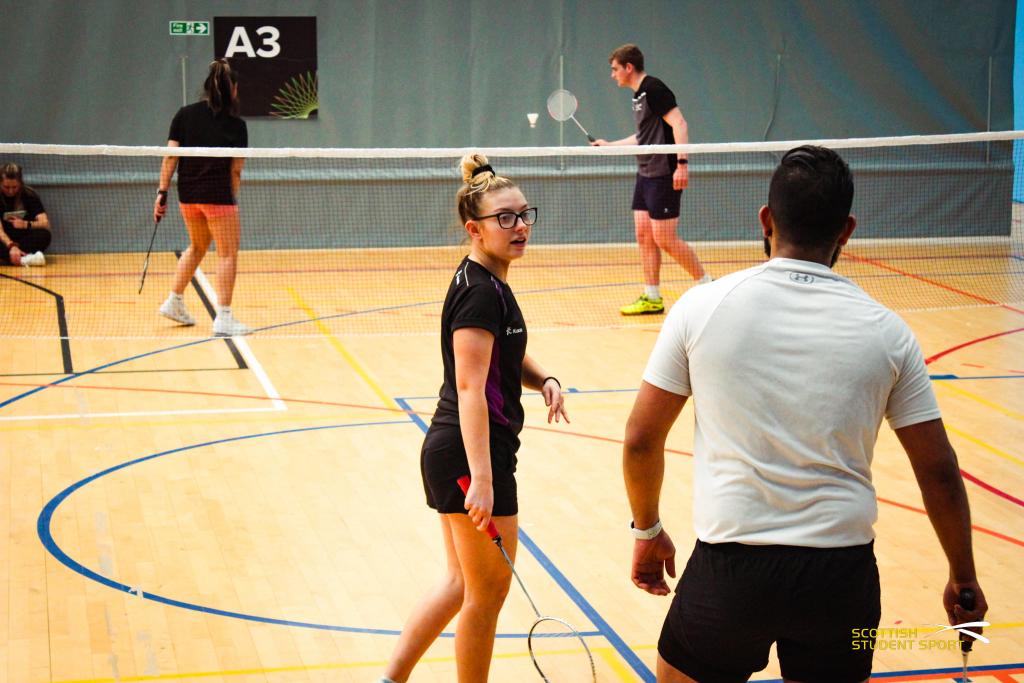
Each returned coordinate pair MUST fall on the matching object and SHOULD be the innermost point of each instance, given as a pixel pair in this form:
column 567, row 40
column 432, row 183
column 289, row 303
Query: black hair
column 810, row 196
column 218, row 89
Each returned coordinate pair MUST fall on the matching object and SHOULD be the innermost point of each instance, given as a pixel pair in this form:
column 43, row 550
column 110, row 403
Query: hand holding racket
column 159, row 209
column 562, row 106
column 479, row 505
column 563, row 629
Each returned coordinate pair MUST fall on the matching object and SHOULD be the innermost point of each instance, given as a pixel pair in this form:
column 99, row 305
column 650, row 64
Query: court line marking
column 205, row 296
column 878, row 264
column 983, row 401
column 403, row 405
column 987, row 446
column 140, row 413
column 918, row 675
column 604, row 628
column 243, row 347
column 44, row 522
column 946, row 352
column 998, row 671
column 195, row 342
column 62, row 320
column 349, row 358
column 402, row 422
column 294, row 668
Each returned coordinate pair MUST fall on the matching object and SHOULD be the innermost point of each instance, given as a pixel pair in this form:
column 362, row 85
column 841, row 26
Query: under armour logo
column 802, row 278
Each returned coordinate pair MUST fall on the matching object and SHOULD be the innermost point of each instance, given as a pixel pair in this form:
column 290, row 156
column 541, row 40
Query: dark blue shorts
column 656, row 197
column 443, row 461
column 733, row 601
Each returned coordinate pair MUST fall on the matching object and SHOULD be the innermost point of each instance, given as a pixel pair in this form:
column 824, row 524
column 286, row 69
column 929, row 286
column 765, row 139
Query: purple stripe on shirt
column 492, row 390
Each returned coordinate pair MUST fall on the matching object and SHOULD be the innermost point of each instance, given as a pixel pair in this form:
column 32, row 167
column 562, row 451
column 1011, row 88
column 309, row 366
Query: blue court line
column 573, row 390
column 46, row 517
column 919, row 672
column 628, row 654
column 416, row 419
column 958, row 377
column 603, row 627
column 305, row 321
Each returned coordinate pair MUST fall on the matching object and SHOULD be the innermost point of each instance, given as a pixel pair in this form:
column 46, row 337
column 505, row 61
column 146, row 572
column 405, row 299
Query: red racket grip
column 492, row 530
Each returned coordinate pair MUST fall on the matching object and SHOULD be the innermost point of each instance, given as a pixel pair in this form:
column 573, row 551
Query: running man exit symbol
column 190, row 28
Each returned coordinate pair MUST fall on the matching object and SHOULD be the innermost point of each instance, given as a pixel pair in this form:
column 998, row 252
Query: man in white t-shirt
column 792, row 369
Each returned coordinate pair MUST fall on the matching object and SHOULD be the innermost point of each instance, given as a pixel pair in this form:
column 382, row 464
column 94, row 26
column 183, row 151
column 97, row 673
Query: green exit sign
column 190, row 28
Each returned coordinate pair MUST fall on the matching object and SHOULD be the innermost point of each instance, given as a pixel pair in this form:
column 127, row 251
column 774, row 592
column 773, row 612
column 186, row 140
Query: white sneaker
column 36, row 259
column 704, row 280
column 225, row 325
column 174, row 308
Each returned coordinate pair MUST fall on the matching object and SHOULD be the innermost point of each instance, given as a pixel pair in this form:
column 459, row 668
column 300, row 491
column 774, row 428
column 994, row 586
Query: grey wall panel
column 457, row 72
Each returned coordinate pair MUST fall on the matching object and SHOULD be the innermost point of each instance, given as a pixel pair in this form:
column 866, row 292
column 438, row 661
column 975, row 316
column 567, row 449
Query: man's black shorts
column 735, row 600
column 656, row 197
column 443, row 460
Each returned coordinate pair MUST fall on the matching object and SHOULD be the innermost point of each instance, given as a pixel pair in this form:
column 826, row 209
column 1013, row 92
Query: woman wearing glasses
column 475, row 427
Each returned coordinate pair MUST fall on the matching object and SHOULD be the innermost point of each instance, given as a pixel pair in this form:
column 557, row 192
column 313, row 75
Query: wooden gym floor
column 181, row 508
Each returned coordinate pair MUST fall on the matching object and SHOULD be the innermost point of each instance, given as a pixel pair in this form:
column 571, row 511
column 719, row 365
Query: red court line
column 940, row 285
column 1001, row 675
column 975, row 527
column 562, row 432
column 991, row 489
column 928, row 361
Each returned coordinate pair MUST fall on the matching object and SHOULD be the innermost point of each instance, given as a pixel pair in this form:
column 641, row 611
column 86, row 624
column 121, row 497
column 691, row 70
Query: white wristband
column 646, row 534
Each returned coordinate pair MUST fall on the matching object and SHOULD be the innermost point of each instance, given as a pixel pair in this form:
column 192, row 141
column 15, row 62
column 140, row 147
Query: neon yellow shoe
column 644, row 306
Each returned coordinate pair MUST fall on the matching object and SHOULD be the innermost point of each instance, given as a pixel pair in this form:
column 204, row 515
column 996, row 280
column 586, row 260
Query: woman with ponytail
column 207, row 194
column 475, row 427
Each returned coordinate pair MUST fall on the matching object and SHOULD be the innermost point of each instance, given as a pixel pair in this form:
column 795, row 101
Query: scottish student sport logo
column 927, row 637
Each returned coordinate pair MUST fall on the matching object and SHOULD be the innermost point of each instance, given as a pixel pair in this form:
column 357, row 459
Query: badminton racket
column 156, row 224
column 967, row 602
column 544, row 627
column 562, row 106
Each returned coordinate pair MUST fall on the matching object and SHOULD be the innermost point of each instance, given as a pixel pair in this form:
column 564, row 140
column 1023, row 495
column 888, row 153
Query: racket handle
column 163, row 202
column 492, row 530
column 591, row 137
column 967, row 601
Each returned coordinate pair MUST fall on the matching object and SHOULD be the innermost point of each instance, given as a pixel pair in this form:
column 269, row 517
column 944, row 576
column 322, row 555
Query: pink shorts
column 207, row 211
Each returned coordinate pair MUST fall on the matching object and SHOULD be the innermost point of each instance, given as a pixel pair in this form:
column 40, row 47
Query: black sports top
column 476, row 298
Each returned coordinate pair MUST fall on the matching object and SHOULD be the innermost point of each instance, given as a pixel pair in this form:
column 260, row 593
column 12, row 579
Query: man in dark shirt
column 660, row 180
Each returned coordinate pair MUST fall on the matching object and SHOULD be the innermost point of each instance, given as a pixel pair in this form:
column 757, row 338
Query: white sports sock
column 652, row 292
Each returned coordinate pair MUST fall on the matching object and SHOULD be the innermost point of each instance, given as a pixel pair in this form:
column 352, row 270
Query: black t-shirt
column 478, row 299
column 651, row 102
column 26, row 207
column 206, row 180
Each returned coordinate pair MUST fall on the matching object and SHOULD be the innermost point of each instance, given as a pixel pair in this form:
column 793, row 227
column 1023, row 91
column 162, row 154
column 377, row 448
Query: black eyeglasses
column 507, row 219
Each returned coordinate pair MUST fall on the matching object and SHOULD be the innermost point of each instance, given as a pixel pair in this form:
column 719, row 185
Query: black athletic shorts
column 443, row 461
column 735, row 600
column 656, row 197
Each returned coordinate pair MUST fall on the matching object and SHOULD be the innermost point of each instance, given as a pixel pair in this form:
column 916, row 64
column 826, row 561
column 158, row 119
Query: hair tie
column 481, row 169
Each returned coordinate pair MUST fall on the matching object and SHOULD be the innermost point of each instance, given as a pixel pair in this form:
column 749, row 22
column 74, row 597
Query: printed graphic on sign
column 189, row 28
column 275, row 58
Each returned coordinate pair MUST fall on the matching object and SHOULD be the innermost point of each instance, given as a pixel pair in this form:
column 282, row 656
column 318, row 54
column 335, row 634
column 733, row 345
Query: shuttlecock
column 532, row 118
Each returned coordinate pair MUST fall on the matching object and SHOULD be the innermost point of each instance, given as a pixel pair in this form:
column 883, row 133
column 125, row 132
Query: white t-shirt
column 791, row 369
